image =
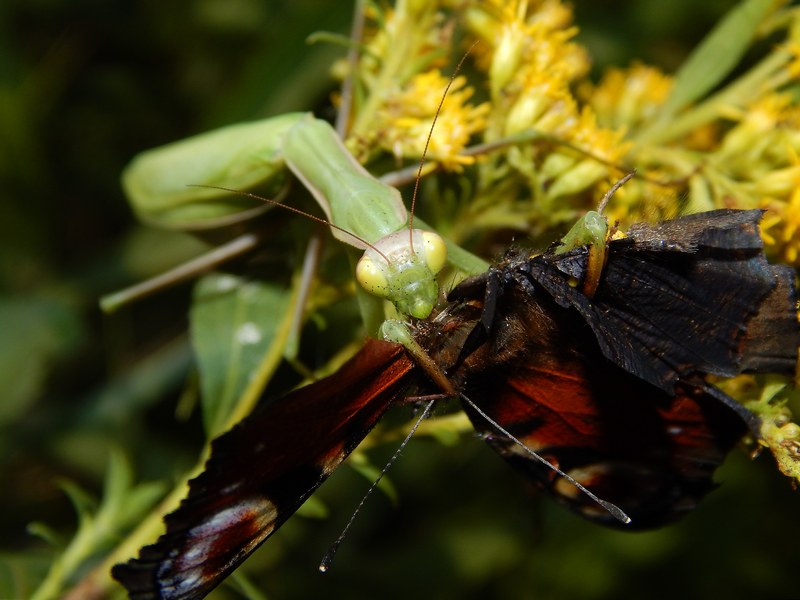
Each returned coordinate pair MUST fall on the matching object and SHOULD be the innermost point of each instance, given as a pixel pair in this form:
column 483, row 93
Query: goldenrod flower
column 404, row 121
column 781, row 226
column 625, row 98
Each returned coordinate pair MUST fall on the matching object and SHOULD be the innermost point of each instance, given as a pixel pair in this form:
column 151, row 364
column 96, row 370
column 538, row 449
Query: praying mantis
column 399, row 264
column 244, row 155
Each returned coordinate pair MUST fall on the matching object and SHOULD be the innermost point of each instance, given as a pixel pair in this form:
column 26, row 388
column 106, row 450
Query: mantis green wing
column 399, row 264
column 159, row 182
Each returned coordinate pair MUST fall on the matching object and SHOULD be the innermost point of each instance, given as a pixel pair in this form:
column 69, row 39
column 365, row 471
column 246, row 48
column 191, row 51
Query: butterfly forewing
column 678, row 298
column 262, row 470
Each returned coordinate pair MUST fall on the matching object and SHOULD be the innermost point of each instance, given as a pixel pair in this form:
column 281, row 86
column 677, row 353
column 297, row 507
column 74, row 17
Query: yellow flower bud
column 525, row 112
column 583, row 175
column 506, row 58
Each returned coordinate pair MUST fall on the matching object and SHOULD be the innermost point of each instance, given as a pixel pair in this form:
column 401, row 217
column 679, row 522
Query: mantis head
column 404, row 272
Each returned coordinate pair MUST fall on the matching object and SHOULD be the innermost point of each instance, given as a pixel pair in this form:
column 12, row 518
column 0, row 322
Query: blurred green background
column 84, row 86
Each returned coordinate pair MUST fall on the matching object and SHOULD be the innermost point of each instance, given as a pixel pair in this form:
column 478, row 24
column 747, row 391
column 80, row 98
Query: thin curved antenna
column 428, row 143
column 612, row 509
column 294, row 210
column 607, row 196
column 325, row 564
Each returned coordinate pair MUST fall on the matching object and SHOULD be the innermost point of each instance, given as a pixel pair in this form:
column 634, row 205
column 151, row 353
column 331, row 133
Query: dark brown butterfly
column 610, row 387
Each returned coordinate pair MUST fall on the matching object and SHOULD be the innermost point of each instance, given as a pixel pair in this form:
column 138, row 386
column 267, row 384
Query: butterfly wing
column 649, row 452
column 611, row 388
column 261, row 471
column 770, row 342
column 690, row 295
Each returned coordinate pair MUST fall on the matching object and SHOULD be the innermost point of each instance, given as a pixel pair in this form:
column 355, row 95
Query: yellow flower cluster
column 402, row 84
column 627, row 98
column 406, row 120
column 781, row 225
column 737, row 149
column 531, row 66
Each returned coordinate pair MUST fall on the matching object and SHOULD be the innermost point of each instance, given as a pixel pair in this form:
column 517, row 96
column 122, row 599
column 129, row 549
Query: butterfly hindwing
column 647, row 451
column 650, row 453
column 261, row 471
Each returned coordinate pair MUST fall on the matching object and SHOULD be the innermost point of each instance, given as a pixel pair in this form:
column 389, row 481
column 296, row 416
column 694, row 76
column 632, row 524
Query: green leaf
column 239, row 329
column 46, row 533
column 717, row 55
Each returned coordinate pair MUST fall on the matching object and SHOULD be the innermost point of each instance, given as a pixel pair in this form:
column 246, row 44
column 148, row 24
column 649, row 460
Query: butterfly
column 601, row 373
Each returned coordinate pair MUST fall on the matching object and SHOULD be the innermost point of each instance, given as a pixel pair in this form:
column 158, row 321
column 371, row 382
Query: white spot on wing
column 229, row 489
column 250, row 520
column 256, row 510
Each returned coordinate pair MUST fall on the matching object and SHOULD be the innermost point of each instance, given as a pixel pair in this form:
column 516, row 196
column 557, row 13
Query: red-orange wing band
column 651, row 453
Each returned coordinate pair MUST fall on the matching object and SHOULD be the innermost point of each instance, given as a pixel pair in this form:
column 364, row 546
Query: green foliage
column 123, row 504
column 37, row 332
column 238, row 330
column 717, row 56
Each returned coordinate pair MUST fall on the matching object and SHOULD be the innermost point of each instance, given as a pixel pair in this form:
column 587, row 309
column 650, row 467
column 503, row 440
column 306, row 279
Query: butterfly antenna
column 428, row 143
column 334, row 548
column 612, row 509
column 610, row 193
column 291, row 209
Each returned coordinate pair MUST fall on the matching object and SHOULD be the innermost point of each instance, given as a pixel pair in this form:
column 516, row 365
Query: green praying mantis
column 400, row 262
column 198, row 183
